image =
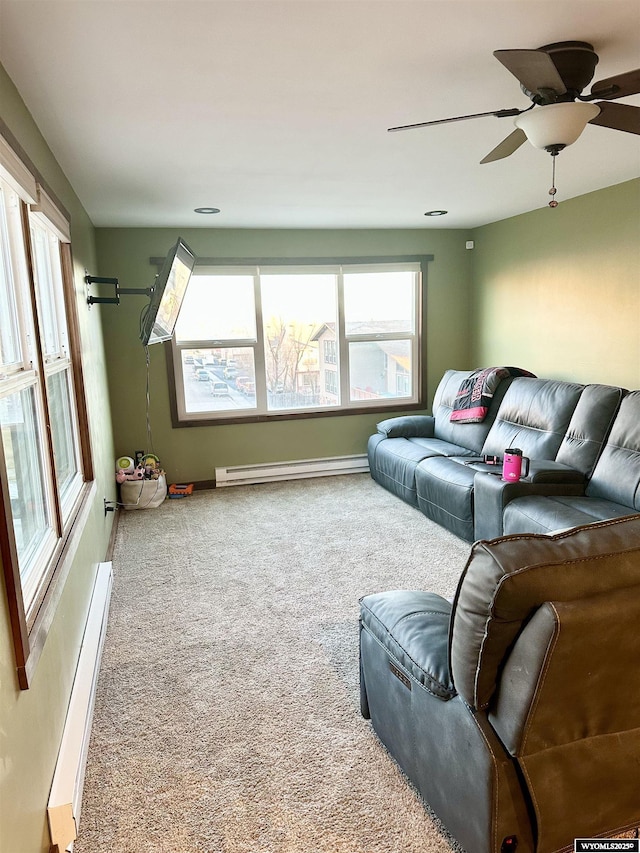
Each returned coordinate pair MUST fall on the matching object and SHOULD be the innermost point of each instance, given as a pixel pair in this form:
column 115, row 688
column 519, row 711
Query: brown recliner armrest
column 569, row 699
column 507, row 579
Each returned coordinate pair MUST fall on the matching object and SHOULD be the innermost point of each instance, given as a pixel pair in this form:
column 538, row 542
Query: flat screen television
column 159, row 320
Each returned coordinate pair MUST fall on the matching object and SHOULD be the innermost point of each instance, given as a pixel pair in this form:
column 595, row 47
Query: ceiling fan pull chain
column 553, row 190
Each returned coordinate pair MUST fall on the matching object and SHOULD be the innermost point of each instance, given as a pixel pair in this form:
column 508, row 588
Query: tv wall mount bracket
column 117, row 290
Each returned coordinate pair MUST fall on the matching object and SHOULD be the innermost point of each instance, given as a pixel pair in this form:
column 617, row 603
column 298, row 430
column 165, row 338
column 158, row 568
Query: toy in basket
column 142, row 485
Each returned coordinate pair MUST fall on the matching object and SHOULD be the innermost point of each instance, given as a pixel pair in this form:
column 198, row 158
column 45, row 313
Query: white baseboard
column 296, row 470
column 65, row 799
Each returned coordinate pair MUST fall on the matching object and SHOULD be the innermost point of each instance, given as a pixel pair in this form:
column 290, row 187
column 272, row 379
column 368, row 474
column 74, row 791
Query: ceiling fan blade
column 507, row 146
column 619, row 86
column 618, row 117
column 497, row 113
column 533, row 68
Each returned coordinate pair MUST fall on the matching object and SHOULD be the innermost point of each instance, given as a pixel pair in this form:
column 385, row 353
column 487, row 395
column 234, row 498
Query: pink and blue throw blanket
column 476, row 391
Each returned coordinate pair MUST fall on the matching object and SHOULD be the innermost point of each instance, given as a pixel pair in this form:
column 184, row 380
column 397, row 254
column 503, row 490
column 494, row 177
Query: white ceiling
column 275, row 111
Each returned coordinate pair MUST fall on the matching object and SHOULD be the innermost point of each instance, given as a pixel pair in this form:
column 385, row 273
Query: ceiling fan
column 553, row 77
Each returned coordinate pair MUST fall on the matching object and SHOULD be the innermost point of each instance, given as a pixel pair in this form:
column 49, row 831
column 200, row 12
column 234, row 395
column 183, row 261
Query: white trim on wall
column 65, row 799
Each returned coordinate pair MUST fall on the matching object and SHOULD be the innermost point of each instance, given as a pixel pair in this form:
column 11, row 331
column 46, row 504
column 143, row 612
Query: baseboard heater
column 243, row 475
column 65, row 799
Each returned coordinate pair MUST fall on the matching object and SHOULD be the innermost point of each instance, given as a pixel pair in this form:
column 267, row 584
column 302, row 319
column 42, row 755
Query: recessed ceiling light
column 207, row 210
column 436, row 213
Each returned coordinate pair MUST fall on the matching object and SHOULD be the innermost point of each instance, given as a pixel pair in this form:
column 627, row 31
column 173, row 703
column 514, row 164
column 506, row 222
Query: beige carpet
column 227, row 716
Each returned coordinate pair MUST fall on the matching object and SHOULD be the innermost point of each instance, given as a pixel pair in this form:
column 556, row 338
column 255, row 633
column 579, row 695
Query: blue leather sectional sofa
column 583, row 442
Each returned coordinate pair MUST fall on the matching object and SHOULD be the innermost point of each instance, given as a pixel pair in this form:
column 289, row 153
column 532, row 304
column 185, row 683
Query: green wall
column 31, row 721
column 558, row 291
column 554, row 291
column 193, row 453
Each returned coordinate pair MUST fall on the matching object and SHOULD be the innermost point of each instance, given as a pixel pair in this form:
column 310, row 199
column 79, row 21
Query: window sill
column 47, row 611
column 414, row 406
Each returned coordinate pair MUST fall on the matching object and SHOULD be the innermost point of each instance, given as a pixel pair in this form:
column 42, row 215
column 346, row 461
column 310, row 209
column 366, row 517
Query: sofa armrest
column 413, row 628
column 547, row 471
column 407, row 426
column 492, row 494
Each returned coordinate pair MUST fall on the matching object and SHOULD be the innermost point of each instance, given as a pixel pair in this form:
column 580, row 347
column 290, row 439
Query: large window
column 264, row 341
column 42, row 446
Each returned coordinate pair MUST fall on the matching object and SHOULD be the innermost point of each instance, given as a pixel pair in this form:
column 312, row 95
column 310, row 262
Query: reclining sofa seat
column 612, row 477
column 534, row 415
column 515, row 711
column 401, row 443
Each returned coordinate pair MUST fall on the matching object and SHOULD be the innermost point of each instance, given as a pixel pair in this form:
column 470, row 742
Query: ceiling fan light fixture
column 556, row 125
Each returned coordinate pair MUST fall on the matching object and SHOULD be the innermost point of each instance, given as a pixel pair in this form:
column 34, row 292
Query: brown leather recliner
column 515, row 711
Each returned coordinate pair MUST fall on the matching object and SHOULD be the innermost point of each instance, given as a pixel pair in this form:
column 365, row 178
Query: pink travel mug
column 513, row 464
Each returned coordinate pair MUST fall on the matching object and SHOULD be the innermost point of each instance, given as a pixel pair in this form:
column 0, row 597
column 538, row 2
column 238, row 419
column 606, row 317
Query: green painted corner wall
column 192, row 454
column 555, row 291
column 31, row 721
column 558, row 291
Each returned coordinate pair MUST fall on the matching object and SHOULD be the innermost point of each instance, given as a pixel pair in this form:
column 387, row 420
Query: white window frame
column 59, row 361
column 34, row 577
column 339, row 268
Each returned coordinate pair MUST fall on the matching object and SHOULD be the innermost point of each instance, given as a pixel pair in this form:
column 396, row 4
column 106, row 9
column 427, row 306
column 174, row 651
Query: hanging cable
column 148, row 402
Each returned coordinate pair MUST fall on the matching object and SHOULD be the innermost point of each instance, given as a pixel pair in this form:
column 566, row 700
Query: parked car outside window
column 246, row 385
column 219, row 389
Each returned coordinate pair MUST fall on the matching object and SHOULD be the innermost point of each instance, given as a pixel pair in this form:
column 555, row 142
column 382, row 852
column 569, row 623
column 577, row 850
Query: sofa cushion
column 393, row 461
column 616, row 476
column 507, row 579
column 534, row 416
column 444, row 489
column 471, row 436
column 546, row 513
column 413, row 627
column 439, row 425
column 589, row 427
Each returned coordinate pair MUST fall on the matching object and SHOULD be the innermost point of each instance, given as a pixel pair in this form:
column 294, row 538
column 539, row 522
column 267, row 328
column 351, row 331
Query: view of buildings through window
column 268, row 340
